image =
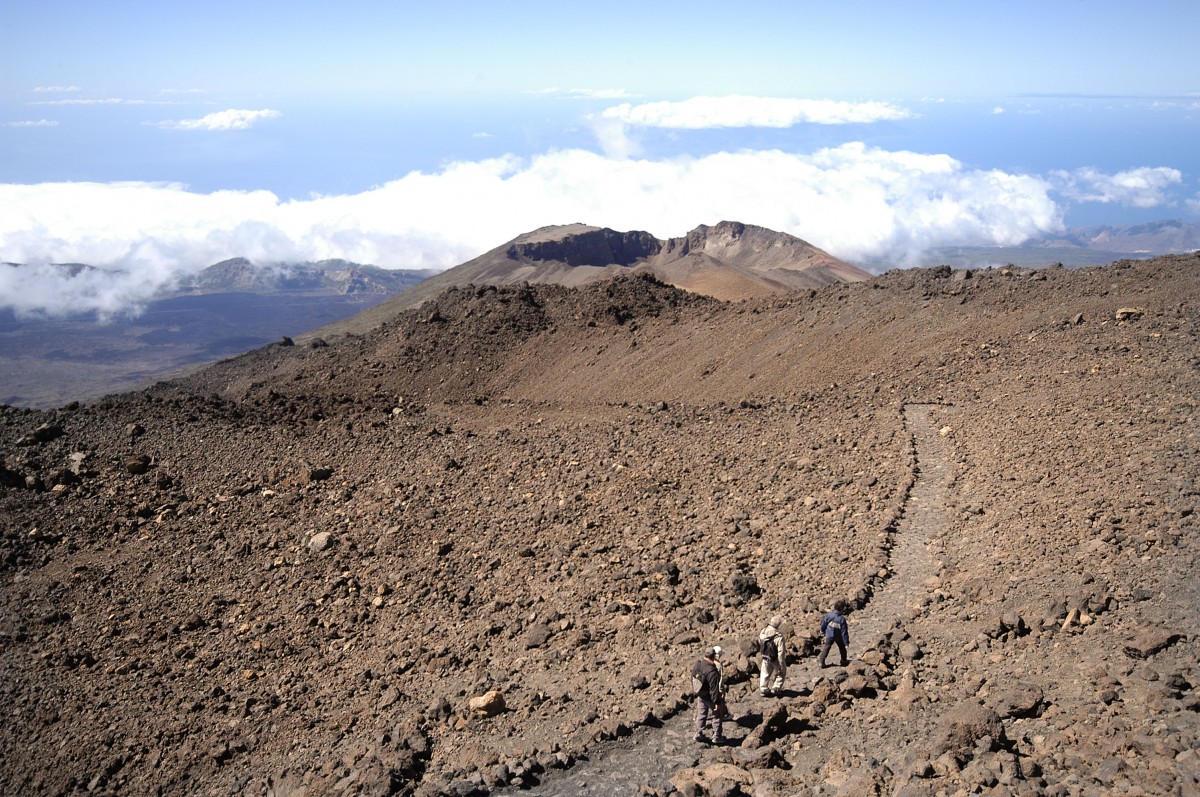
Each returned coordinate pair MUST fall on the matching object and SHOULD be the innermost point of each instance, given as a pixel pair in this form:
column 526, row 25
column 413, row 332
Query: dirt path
column 651, row 755
column 918, row 544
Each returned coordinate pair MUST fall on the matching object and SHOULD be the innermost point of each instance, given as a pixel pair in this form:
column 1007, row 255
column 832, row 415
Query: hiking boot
column 700, row 738
column 720, row 740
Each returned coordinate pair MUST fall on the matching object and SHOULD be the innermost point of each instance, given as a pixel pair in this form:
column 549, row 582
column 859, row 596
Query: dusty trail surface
column 918, row 537
column 652, row 755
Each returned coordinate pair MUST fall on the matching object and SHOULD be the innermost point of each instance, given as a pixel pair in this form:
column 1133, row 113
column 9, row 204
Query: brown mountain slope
column 729, row 261
column 292, row 573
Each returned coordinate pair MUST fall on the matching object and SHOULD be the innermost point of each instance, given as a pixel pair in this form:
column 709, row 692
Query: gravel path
column 651, row 755
column 919, row 536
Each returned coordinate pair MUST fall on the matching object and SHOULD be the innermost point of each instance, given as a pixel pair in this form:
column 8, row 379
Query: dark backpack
column 768, row 650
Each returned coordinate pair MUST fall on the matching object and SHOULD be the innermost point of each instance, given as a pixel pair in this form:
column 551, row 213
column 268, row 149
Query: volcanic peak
column 593, row 246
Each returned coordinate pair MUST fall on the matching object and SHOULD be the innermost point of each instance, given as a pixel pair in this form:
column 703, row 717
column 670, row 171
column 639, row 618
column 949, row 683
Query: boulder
column 779, row 783
column 860, row 685
column 43, row 434
column 743, row 588
column 755, row 758
column 1150, row 640
column 910, row 651
column 488, row 704
column 138, row 465
column 1018, row 700
column 537, row 635
column 964, row 724
column 907, row 693
column 713, row 779
column 825, row 691
column 772, row 727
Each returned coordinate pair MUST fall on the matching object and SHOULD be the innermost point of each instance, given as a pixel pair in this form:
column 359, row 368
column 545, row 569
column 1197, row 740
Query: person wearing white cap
column 772, row 658
column 708, row 684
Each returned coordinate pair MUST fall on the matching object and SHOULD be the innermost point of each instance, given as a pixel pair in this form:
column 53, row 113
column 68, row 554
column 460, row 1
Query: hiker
column 835, row 627
column 772, row 658
column 709, row 686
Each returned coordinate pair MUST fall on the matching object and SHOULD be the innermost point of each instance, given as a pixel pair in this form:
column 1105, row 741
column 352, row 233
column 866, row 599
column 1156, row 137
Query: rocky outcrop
column 601, row 247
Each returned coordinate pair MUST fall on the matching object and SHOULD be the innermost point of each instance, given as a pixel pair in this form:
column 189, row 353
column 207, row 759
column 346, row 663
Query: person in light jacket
column 772, row 658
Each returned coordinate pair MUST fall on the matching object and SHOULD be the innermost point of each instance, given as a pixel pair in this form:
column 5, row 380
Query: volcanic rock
column 487, row 705
column 1150, row 640
column 964, row 725
column 645, row 472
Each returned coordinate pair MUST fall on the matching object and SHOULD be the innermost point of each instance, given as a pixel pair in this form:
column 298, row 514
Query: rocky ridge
column 323, row 276
column 728, row 261
column 483, row 542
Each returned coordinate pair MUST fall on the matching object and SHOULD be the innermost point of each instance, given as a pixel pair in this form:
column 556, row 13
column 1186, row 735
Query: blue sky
column 156, row 138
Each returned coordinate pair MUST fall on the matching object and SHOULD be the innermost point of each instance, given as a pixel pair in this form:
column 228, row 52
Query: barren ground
column 292, row 572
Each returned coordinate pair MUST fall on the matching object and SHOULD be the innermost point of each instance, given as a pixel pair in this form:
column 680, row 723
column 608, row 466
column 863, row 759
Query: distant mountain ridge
column 1171, row 236
column 223, row 310
column 1075, row 247
column 339, row 277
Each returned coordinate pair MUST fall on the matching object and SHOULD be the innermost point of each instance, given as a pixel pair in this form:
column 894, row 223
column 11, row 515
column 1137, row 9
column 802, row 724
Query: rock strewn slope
column 295, row 569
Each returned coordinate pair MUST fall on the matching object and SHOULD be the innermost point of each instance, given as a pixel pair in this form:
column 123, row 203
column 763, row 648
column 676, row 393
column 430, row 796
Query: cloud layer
column 232, row 119
column 614, row 125
column 854, row 201
column 1140, row 188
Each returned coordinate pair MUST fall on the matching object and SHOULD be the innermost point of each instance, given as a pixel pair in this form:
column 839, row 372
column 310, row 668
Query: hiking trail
column 650, row 756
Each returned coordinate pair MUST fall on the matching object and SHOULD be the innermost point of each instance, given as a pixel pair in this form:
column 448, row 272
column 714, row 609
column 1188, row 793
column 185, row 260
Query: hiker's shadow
column 753, row 720
column 750, row 719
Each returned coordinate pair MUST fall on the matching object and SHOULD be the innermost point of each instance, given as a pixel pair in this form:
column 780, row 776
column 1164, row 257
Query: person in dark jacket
column 709, row 686
column 835, row 627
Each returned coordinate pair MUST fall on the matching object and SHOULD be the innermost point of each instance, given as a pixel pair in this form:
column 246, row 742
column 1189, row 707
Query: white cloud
column 39, row 290
column 999, row 109
column 33, row 123
column 612, row 127
column 699, row 113
column 232, row 119
column 56, row 89
column 1145, row 187
column 854, row 201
